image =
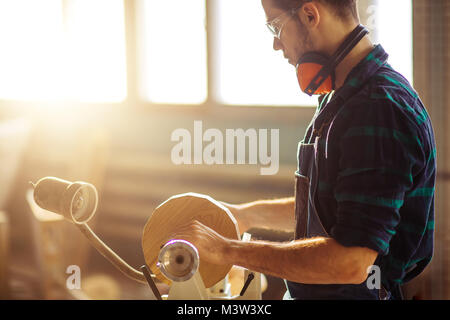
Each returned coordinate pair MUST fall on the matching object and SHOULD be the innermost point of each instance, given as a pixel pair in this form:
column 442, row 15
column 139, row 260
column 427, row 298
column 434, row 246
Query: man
column 365, row 181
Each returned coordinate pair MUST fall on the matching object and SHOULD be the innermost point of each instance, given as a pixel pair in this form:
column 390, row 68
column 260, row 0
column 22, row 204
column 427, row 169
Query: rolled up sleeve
column 377, row 156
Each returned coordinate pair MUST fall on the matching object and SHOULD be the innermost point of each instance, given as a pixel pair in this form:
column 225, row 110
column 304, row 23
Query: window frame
column 210, row 107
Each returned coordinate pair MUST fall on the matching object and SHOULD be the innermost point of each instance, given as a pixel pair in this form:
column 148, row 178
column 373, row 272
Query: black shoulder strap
column 344, row 49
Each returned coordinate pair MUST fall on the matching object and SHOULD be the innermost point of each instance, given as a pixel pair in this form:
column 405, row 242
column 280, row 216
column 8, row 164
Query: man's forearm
column 311, row 261
column 273, row 214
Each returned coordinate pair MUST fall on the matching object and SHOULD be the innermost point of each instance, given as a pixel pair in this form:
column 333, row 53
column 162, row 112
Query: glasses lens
column 277, row 24
column 273, row 29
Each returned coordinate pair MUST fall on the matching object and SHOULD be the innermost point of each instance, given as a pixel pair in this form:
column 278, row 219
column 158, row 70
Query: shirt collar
column 362, row 72
column 355, row 80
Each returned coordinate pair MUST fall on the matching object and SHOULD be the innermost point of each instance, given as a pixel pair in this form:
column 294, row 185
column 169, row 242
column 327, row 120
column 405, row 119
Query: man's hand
column 239, row 214
column 277, row 214
column 210, row 245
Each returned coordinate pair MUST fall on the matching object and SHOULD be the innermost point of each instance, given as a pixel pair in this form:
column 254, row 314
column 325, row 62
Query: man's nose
column 277, row 44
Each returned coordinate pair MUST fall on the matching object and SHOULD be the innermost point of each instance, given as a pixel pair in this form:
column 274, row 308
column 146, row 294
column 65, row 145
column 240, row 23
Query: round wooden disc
column 177, row 211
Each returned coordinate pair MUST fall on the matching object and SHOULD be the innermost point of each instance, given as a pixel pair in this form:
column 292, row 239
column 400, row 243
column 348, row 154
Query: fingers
column 186, row 230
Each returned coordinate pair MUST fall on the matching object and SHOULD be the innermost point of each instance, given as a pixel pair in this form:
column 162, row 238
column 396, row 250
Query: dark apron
column 308, row 224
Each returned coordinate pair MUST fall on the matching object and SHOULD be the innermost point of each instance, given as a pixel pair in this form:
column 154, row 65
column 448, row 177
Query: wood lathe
column 175, row 262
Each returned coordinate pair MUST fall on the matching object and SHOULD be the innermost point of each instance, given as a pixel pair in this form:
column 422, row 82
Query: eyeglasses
column 276, row 25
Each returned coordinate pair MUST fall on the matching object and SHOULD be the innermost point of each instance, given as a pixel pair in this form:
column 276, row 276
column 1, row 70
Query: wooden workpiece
column 180, row 210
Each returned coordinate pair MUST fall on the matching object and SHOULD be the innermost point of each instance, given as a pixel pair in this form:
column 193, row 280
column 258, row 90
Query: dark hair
column 343, row 8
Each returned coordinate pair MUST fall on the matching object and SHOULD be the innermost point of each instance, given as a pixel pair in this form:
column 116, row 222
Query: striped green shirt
column 377, row 167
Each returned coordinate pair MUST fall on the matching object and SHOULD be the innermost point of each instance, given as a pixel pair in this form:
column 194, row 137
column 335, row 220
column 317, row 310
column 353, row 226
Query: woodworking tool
column 178, row 262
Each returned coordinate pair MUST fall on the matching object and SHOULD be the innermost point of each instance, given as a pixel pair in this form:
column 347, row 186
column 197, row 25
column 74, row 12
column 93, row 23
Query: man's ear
column 310, row 14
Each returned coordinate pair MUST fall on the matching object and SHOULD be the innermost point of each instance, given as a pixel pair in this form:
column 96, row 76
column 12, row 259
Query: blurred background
column 92, row 90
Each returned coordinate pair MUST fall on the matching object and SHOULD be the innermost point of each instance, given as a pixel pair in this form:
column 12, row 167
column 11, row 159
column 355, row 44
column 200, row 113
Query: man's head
column 344, row 9
column 309, row 25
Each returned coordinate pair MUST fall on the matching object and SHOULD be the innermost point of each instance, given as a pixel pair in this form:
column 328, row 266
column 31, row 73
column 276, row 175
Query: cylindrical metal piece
column 178, row 260
column 76, row 201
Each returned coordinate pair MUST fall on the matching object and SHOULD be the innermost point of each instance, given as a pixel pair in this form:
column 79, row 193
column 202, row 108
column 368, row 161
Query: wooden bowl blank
column 177, row 211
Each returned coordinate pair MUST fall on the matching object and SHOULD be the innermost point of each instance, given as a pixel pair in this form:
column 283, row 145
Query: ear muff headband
column 320, row 78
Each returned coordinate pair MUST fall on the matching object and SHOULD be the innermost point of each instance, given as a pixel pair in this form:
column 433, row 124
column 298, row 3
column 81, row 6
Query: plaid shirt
column 377, row 168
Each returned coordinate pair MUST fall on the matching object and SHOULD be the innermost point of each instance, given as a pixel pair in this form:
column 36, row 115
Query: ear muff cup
column 316, row 71
column 308, row 67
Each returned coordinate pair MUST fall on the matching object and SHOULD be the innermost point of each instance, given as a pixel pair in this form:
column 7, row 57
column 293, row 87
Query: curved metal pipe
column 110, row 255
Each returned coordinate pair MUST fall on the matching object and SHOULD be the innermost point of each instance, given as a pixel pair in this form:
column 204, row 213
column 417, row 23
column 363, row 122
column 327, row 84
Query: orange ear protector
column 315, row 71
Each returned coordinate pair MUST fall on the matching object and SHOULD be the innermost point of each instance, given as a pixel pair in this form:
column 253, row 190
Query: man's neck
column 359, row 52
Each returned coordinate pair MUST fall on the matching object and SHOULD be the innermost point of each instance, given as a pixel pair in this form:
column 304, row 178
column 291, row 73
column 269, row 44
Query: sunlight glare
column 173, row 53
column 45, row 57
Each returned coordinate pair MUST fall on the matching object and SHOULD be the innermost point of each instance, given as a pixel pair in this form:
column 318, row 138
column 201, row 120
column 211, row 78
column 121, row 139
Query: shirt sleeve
column 378, row 152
